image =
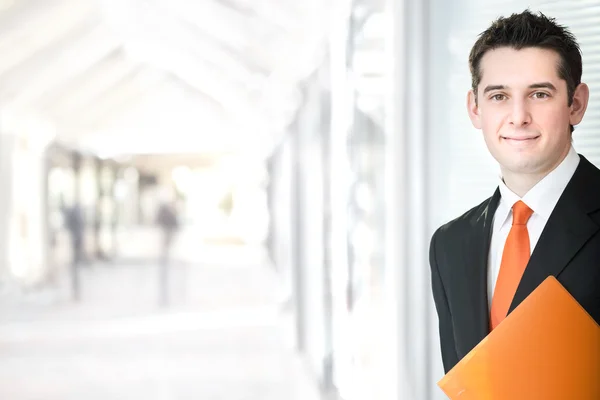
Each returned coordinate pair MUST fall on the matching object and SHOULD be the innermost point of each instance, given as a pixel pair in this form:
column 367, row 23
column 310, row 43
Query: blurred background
column 233, row 199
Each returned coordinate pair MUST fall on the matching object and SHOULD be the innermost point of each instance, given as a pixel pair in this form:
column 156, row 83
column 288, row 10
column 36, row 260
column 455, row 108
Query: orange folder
column 548, row 348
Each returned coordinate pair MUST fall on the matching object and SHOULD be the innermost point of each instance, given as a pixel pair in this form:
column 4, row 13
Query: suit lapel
column 476, row 255
column 567, row 230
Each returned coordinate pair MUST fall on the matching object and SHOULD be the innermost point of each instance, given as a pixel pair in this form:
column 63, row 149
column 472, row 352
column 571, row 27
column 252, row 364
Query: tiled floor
column 222, row 337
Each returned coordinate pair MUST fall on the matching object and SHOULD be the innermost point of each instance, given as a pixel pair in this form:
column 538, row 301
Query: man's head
column 526, row 30
column 526, row 91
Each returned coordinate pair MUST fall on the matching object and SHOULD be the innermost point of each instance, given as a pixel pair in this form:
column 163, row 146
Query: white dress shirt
column 542, row 199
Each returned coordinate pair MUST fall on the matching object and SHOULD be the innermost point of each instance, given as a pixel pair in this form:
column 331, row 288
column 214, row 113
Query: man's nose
column 520, row 114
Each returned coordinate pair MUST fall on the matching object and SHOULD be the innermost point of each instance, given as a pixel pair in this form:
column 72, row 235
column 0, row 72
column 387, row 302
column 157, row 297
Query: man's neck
column 521, row 183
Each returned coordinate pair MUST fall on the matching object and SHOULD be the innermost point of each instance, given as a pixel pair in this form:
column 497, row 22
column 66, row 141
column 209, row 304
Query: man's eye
column 540, row 95
column 498, row 97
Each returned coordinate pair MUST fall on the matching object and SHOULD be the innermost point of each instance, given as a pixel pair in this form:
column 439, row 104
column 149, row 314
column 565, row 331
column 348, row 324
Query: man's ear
column 579, row 104
column 473, row 109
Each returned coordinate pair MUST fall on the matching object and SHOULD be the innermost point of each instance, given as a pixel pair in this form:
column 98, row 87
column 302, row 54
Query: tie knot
column 521, row 213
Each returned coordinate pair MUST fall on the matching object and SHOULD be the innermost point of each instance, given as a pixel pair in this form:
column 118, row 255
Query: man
column 75, row 223
column 544, row 218
column 168, row 222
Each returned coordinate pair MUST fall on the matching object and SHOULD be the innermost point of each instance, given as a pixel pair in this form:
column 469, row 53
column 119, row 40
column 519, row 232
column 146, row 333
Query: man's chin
column 522, row 165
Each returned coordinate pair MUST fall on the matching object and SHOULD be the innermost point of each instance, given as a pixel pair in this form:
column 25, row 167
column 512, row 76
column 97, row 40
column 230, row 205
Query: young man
column 544, row 218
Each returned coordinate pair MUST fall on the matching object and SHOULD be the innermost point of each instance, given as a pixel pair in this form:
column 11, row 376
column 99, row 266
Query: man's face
column 522, row 109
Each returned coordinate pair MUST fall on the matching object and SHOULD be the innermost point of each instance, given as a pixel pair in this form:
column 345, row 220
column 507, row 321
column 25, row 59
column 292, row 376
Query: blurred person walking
column 75, row 224
column 168, row 222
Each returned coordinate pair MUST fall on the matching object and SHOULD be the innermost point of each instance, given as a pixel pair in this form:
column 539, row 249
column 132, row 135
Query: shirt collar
column 545, row 194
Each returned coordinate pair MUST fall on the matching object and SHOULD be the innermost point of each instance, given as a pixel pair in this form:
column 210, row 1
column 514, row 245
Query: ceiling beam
column 55, row 64
column 112, row 102
column 35, row 25
column 81, row 89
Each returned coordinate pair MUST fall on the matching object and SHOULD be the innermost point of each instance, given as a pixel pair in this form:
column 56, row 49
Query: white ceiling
column 157, row 76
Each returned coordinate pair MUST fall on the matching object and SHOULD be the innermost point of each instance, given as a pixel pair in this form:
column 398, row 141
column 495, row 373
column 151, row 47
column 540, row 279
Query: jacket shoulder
column 464, row 222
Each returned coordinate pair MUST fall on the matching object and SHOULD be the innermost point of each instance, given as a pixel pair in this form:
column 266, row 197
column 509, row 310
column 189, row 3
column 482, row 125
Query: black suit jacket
column 569, row 249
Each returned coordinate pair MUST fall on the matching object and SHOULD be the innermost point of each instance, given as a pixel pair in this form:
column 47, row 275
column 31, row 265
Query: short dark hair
column 526, row 30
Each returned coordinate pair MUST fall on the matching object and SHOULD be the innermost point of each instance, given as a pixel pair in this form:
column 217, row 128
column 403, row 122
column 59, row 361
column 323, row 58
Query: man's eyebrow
column 543, row 85
column 489, row 88
column 539, row 85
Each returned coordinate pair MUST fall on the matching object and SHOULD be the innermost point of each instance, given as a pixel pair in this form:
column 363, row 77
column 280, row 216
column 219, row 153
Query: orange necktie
column 514, row 260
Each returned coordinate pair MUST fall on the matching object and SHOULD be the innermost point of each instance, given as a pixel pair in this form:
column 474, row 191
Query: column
column 7, row 149
column 115, row 207
column 407, row 130
column 76, row 252
column 98, row 248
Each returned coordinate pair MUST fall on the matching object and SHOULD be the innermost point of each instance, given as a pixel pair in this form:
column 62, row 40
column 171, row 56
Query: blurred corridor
column 233, row 199
column 223, row 336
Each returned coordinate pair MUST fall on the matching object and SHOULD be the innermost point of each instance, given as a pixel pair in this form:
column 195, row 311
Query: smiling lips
column 520, row 139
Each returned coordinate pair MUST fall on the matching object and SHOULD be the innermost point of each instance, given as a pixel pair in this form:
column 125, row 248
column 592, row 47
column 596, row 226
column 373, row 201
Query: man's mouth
column 519, row 139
